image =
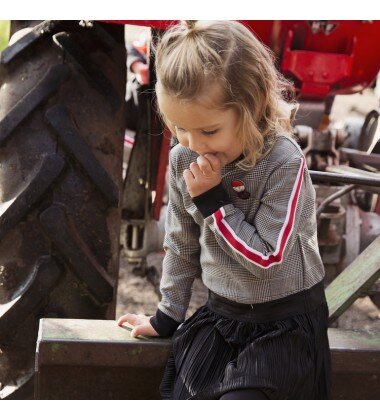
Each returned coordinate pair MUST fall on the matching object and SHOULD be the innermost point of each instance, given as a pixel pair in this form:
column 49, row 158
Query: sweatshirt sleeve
column 265, row 242
column 181, row 262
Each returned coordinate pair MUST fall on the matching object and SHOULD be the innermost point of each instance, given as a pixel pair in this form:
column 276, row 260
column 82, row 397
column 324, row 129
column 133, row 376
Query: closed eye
column 209, row 133
column 206, row 133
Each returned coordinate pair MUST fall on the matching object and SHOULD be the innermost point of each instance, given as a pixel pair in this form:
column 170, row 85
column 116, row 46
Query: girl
column 241, row 216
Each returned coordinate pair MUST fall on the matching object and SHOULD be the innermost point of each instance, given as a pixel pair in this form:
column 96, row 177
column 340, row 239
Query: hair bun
column 190, row 24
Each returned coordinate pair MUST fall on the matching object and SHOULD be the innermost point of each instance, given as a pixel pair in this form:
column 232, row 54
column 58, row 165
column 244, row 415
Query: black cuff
column 164, row 324
column 212, row 200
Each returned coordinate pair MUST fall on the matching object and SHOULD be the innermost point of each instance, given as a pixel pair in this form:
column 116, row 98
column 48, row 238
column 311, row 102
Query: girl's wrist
column 212, row 200
column 163, row 324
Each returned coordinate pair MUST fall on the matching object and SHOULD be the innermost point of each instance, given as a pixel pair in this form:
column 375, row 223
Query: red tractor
column 62, row 194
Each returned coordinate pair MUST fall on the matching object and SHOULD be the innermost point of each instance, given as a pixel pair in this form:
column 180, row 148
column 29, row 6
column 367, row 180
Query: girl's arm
column 181, row 262
column 264, row 243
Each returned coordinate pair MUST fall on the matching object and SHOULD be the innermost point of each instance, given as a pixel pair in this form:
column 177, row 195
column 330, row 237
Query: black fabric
column 285, row 358
column 244, row 394
column 163, row 324
column 212, row 200
column 300, row 302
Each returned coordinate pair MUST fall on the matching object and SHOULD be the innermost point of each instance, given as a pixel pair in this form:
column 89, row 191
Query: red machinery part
column 322, row 57
column 318, row 72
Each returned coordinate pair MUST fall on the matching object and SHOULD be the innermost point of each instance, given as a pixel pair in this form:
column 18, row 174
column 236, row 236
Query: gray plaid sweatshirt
column 251, row 239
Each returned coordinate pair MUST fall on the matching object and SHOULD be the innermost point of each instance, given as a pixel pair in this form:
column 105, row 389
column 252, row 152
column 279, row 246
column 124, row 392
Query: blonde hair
column 194, row 54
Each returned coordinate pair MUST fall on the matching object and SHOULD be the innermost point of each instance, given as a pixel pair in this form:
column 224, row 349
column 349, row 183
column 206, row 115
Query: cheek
column 226, row 142
column 182, row 140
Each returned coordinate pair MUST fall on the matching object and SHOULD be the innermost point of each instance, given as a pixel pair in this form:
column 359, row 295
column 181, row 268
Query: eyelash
column 206, row 133
column 209, row 133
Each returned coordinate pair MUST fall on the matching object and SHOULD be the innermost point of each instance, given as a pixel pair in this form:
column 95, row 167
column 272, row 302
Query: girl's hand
column 141, row 324
column 203, row 175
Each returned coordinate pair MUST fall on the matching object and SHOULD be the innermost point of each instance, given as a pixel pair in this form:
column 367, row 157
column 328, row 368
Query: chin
column 223, row 160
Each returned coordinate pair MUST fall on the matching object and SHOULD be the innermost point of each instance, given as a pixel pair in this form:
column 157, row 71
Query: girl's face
column 202, row 129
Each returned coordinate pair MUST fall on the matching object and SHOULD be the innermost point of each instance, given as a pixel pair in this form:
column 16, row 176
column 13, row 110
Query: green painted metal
column 96, row 359
column 352, row 340
column 78, row 342
column 358, row 277
column 356, row 353
column 4, row 33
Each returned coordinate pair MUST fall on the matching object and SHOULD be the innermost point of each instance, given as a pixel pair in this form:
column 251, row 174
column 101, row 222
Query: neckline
column 238, row 159
column 233, row 163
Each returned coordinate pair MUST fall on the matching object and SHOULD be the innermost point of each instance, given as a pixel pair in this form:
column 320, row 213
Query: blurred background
column 4, row 33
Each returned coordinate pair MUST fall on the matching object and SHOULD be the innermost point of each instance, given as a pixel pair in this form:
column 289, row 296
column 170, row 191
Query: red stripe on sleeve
column 244, row 249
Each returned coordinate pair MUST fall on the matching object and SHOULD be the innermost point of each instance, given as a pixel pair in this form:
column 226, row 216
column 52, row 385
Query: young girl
column 241, row 217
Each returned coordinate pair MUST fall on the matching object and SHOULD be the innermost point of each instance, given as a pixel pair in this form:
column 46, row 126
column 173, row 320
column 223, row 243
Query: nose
column 196, row 144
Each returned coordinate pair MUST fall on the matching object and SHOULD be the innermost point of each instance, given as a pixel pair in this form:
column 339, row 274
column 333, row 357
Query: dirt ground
column 137, row 295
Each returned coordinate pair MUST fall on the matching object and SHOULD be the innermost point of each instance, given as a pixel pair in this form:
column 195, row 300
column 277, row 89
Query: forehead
column 191, row 113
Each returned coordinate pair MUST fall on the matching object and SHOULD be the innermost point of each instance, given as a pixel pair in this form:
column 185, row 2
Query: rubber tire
column 62, row 123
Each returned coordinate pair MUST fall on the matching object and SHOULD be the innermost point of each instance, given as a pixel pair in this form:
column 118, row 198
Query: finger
column 188, row 173
column 144, row 330
column 122, row 319
column 214, row 161
column 196, row 170
column 188, row 177
column 204, row 165
column 130, row 318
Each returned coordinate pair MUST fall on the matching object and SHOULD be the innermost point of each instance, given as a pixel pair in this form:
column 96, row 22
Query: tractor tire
column 62, row 123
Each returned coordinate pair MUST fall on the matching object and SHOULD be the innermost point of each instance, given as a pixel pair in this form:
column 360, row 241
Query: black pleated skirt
column 280, row 347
